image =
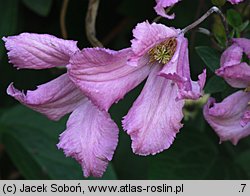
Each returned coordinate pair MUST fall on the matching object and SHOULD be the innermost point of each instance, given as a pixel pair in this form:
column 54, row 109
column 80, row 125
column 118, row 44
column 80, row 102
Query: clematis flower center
column 163, row 52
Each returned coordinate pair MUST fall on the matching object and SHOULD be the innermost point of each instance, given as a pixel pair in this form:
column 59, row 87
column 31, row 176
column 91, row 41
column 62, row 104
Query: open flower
column 159, row 53
column 235, row 72
column 91, row 136
column 230, row 118
column 225, row 117
column 162, row 4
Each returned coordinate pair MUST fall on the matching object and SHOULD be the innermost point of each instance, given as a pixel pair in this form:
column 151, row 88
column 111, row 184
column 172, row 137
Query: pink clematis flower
column 91, row 136
column 230, row 118
column 162, row 4
column 235, row 72
column 158, row 53
column 235, row 1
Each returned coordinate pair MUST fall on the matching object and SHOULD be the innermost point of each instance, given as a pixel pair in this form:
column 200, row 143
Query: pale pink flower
column 230, row 118
column 235, row 72
column 91, row 136
column 158, row 53
column 162, row 4
column 225, row 117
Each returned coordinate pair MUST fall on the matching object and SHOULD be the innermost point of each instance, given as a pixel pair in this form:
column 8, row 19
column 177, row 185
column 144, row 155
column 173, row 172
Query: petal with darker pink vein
column 91, row 138
column 155, row 116
column 38, row 51
column 104, row 76
column 235, row 72
column 237, row 76
column 226, row 117
column 53, row 99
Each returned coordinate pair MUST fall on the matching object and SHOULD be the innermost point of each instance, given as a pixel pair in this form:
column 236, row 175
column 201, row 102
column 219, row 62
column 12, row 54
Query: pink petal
column 244, row 44
column 225, row 117
column 161, row 5
column 103, row 75
column 38, row 51
column 235, row 73
column 235, row 1
column 177, row 70
column 146, row 36
column 231, row 56
column 91, row 138
column 196, row 89
column 53, row 99
column 246, row 118
column 237, row 76
column 155, row 116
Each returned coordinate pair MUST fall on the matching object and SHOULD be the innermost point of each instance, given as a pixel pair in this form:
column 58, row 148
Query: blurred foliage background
column 28, row 140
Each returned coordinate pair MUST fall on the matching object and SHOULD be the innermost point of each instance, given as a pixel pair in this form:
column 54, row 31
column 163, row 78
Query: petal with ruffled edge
column 177, row 70
column 161, row 4
column 235, row 73
column 235, row 1
column 155, row 116
column 38, row 51
column 146, row 36
column 53, row 99
column 225, row 117
column 104, row 76
column 196, row 89
column 244, row 43
column 237, row 76
column 91, row 138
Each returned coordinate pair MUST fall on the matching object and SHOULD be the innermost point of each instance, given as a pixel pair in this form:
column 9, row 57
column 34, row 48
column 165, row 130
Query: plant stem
column 90, row 23
column 62, row 19
column 205, row 16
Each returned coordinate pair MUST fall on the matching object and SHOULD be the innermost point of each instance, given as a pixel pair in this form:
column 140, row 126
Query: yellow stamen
column 163, row 52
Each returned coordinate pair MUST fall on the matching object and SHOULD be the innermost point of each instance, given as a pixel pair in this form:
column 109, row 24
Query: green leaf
column 234, row 18
column 40, row 7
column 30, row 140
column 9, row 15
column 126, row 163
column 219, row 31
column 209, row 56
column 243, row 160
column 21, row 156
column 2, row 128
column 215, row 85
column 243, row 26
column 194, row 156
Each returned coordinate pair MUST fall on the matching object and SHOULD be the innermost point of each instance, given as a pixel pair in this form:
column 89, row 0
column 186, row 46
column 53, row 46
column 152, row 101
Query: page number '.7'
column 242, row 188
